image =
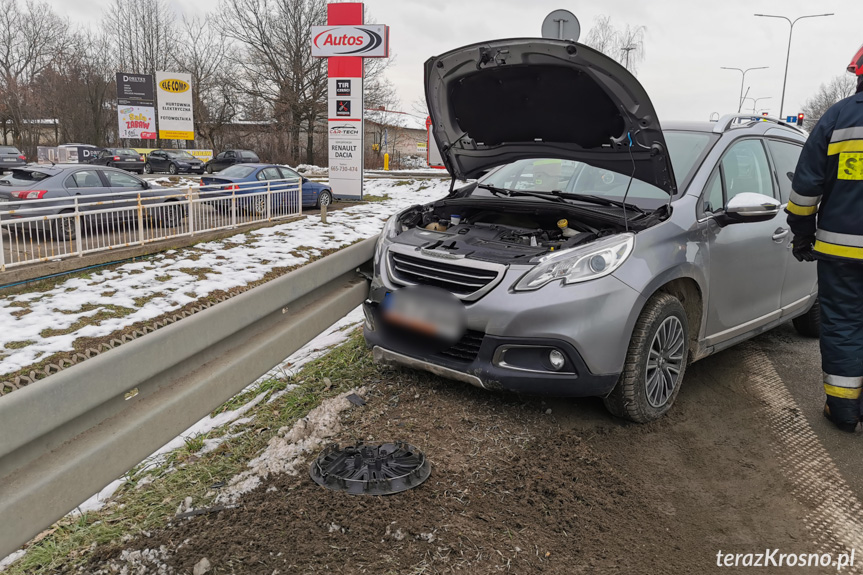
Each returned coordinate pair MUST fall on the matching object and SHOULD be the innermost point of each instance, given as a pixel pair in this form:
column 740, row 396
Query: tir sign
column 366, row 41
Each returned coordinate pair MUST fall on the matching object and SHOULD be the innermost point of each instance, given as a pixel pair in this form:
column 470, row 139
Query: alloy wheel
column 665, row 361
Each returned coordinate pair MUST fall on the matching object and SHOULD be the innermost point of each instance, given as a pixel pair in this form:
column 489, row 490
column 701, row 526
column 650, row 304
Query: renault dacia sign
column 345, row 42
column 370, row 41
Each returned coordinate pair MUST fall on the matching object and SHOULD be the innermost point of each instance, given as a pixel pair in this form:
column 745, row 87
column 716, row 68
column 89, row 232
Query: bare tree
column 32, row 38
column 839, row 88
column 144, row 34
column 625, row 45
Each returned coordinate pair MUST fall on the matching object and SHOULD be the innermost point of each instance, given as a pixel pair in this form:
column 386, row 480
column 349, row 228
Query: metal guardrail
column 48, row 229
column 64, row 438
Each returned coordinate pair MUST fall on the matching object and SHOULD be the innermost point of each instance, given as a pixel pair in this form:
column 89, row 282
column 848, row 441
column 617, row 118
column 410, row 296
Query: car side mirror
column 750, row 207
column 145, row 185
column 305, row 180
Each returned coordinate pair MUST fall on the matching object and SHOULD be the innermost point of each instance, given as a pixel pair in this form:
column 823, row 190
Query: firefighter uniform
column 825, row 213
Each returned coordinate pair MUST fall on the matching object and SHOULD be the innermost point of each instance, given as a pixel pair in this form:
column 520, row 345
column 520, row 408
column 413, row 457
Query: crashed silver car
column 599, row 252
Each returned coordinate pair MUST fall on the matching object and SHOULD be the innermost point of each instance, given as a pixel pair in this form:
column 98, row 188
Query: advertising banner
column 137, row 122
column 174, row 99
column 345, row 104
column 135, row 90
column 365, row 41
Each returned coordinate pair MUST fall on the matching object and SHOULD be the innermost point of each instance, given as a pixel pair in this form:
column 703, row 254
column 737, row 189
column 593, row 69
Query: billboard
column 345, row 104
column 174, row 103
column 369, row 41
column 135, row 89
column 138, row 122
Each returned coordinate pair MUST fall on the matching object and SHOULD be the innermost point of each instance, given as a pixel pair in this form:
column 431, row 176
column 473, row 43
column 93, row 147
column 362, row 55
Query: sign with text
column 135, row 89
column 369, row 41
column 137, row 122
column 346, row 137
column 174, row 98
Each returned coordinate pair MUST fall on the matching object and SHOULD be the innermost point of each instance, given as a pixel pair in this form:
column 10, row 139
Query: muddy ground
column 517, row 489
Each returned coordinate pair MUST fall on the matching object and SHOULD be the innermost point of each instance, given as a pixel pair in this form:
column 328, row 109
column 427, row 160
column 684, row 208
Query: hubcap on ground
column 371, row 469
column 665, row 361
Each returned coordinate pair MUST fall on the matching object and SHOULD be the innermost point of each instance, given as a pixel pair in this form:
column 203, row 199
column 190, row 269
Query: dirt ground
column 517, row 489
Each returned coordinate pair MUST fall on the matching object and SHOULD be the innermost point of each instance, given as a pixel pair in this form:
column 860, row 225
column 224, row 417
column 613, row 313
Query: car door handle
column 780, row 234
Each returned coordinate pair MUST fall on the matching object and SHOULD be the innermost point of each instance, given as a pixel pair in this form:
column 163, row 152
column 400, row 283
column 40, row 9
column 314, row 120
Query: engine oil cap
column 562, row 224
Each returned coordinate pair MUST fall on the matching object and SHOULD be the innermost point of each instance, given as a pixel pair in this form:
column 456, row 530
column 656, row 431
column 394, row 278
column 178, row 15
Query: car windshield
column 572, row 177
column 9, row 150
column 238, row 171
column 181, row 155
column 248, row 156
column 124, row 152
column 24, row 178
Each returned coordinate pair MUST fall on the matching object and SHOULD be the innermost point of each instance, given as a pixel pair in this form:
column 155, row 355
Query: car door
column 91, row 191
column 218, row 162
column 157, row 161
column 230, row 158
column 747, row 259
column 801, row 278
column 124, row 189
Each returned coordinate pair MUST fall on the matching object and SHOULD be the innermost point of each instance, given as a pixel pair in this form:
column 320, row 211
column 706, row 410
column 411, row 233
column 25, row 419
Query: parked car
column 174, row 162
column 602, row 252
column 250, row 178
column 55, row 185
column 123, row 158
column 230, row 158
column 10, row 158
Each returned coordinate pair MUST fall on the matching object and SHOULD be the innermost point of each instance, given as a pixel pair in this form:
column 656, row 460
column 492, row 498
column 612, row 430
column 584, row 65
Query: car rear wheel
column 148, row 169
column 209, row 169
column 172, row 169
column 809, row 324
column 655, row 362
column 64, row 229
column 169, row 215
column 325, row 198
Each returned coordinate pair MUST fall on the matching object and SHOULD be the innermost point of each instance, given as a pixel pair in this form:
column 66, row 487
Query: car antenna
column 628, row 185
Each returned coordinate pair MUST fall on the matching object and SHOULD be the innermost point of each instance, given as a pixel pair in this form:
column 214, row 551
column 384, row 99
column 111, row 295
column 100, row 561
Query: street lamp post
column 628, row 49
column 755, row 102
column 788, row 55
column 742, row 80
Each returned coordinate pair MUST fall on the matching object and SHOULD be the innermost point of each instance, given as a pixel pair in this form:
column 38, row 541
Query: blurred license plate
column 9, row 159
column 425, row 310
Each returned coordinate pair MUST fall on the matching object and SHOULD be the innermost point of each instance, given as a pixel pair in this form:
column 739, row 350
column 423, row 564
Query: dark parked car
column 61, row 182
column 123, row 158
column 11, row 157
column 249, row 178
column 173, row 162
column 230, row 158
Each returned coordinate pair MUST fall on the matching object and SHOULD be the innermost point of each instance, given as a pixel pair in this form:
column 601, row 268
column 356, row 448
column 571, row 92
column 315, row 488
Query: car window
column 686, row 150
column 122, row 180
column 289, row 174
column 238, row 171
column 24, row 177
column 272, row 174
column 249, row 156
column 9, row 150
column 785, row 157
column 221, row 156
column 712, row 199
column 230, row 155
column 745, row 169
column 127, row 153
column 84, row 179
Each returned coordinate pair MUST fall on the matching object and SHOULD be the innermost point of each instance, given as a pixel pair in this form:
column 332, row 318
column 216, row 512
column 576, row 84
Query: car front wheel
column 325, row 198
column 655, row 362
column 172, row 169
column 148, row 169
column 209, row 169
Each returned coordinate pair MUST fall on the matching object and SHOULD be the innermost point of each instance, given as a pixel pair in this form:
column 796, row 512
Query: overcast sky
column 686, row 42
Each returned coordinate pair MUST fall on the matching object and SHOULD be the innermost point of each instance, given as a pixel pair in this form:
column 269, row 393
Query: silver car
column 600, row 252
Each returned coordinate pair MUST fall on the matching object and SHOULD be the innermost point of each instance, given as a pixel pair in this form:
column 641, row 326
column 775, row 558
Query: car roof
column 737, row 123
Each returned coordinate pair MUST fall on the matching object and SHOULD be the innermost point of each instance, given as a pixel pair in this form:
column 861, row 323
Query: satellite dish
column 561, row 25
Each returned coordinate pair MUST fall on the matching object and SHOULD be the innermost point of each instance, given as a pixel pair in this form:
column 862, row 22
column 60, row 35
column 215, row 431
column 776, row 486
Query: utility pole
column 742, row 80
column 788, row 55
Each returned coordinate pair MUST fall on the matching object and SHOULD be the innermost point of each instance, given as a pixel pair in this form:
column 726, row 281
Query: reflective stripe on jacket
column 827, row 196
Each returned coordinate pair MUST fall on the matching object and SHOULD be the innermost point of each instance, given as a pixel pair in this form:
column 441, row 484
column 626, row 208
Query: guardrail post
column 269, row 201
column 300, row 196
column 78, row 241
column 140, row 220
column 3, row 250
column 233, row 208
column 191, row 212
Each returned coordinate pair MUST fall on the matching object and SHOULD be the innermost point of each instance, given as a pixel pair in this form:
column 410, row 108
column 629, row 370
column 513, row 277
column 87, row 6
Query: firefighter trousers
column 840, row 293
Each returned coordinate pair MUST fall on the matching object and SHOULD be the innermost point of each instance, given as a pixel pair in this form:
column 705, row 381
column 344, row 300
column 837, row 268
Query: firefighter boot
column 843, row 413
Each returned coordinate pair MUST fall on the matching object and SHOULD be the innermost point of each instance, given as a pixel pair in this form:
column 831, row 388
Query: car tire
column 64, row 229
column 325, row 198
column 170, row 216
column 660, row 338
column 172, row 169
column 809, row 324
column 148, row 169
column 209, row 169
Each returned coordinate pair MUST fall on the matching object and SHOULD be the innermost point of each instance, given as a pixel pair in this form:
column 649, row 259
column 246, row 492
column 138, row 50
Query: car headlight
column 579, row 264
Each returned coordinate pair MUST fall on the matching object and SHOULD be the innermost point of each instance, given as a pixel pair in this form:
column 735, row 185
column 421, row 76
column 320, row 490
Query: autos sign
column 367, row 41
column 174, row 98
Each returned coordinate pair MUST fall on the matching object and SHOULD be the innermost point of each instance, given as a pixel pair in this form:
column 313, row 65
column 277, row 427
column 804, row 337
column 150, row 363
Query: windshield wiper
column 547, row 196
column 599, row 200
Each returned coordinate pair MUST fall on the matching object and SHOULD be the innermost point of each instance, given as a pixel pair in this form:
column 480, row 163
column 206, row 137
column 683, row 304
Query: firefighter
column 828, row 185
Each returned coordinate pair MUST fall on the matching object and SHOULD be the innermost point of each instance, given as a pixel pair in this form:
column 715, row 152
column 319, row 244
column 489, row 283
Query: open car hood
column 497, row 102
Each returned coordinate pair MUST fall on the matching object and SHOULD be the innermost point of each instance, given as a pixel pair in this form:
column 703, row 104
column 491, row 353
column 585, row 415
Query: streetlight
column 788, row 55
column 628, row 49
column 742, row 80
column 755, row 102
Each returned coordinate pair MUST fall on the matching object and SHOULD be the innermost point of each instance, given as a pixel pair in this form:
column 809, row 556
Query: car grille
column 463, row 281
column 467, row 348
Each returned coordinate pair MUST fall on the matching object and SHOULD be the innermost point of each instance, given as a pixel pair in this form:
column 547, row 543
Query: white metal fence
column 50, row 229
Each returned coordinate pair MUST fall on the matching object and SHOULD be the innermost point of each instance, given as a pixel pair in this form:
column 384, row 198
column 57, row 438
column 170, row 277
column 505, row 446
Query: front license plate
column 425, row 310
